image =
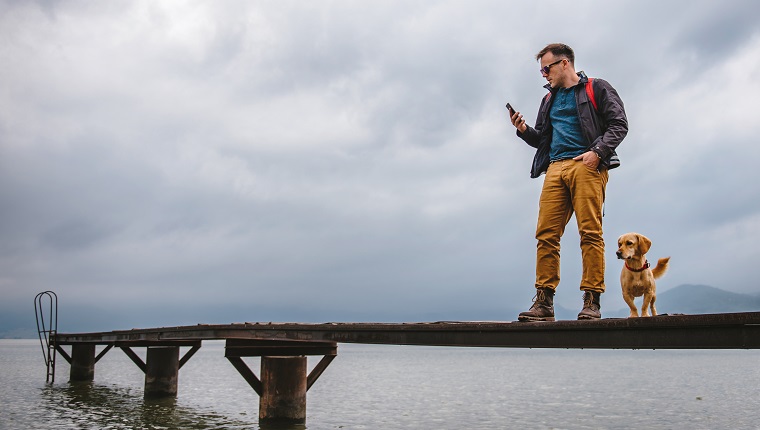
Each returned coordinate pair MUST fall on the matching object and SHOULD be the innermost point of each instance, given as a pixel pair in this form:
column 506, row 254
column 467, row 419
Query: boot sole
column 587, row 317
column 535, row 319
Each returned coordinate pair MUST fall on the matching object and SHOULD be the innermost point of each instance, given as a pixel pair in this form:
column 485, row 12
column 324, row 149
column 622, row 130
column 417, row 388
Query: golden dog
column 637, row 279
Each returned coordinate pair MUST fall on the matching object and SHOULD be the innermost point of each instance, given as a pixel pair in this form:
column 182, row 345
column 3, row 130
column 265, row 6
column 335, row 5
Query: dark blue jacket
column 603, row 129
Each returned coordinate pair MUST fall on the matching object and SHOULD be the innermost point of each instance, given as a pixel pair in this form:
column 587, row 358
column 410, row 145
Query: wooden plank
column 317, row 371
column 189, row 354
column 274, row 347
column 63, row 353
column 103, row 352
column 161, row 342
column 710, row 331
column 134, row 357
column 246, row 373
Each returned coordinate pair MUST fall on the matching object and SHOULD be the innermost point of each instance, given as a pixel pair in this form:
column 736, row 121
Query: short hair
column 558, row 50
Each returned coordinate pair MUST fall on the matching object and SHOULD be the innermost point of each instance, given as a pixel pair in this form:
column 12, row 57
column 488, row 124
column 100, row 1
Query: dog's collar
column 643, row 268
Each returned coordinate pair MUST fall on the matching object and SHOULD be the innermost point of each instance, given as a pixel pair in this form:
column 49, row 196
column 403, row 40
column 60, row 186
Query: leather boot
column 591, row 306
column 543, row 307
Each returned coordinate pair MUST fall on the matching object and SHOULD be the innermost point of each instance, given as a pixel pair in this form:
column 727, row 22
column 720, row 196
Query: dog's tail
column 661, row 268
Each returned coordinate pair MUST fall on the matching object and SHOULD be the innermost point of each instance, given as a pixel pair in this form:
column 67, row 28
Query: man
column 575, row 146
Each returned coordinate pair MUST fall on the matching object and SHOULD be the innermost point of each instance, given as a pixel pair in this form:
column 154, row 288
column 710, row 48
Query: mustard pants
column 570, row 187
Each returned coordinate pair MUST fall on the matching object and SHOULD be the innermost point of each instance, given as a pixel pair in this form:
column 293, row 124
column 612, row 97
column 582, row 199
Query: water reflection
column 281, row 426
column 87, row 405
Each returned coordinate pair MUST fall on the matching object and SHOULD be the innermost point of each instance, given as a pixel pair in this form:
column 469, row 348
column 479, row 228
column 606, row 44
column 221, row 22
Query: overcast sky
column 168, row 163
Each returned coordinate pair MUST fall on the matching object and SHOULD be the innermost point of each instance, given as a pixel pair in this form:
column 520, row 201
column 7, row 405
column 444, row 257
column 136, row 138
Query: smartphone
column 511, row 109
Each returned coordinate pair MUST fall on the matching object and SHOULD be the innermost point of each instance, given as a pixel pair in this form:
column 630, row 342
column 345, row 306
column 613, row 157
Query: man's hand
column 589, row 158
column 519, row 122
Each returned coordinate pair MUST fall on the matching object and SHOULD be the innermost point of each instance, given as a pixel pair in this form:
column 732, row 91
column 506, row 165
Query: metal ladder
column 47, row 331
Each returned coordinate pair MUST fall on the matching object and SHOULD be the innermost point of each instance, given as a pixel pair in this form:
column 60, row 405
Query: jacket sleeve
column 612, row 113
column 532, row 135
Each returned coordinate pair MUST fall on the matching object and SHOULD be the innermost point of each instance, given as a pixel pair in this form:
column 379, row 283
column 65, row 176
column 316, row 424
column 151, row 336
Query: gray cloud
column 349, row 161
column 717, row 31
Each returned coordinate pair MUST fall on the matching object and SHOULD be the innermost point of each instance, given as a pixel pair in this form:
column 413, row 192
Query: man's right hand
column 519, row 122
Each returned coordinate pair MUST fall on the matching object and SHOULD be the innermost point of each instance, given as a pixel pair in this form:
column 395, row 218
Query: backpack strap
column 590, row 92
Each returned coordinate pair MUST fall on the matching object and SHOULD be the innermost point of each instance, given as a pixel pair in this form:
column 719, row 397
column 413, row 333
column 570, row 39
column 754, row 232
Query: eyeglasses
column 546, row 69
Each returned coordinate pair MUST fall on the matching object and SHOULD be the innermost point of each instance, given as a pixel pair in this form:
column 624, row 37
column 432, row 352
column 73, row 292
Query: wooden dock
column 283, row 347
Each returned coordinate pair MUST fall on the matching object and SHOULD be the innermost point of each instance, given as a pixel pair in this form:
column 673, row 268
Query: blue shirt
column 567, row 139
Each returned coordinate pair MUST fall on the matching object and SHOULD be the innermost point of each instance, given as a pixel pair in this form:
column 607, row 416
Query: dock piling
column 283, row 397
column 161, row 372
column 82, row 362
column 284, row 382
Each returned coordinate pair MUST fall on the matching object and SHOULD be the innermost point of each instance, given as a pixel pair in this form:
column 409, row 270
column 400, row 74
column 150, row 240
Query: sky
column 173, row 163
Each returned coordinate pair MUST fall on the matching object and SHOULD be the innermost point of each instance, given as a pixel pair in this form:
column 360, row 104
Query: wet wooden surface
column 708, row 331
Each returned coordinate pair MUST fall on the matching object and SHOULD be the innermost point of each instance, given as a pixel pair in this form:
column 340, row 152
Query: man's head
column 558, row 65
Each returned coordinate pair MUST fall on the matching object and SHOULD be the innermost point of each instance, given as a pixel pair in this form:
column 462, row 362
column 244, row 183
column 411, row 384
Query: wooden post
column 82, row 362
column 161, row 372
column 283, row 397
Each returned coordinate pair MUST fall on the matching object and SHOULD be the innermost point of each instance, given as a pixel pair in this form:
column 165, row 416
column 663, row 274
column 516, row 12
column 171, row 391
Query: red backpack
column 590, row 93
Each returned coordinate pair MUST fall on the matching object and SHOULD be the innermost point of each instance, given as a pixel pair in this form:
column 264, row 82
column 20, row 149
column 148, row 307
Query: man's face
column 556, row 69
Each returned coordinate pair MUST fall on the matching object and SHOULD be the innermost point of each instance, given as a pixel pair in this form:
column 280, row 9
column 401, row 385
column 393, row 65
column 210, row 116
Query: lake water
column 404, row 387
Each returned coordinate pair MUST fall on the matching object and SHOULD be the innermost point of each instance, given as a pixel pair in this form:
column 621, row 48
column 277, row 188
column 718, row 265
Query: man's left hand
column 589, row 158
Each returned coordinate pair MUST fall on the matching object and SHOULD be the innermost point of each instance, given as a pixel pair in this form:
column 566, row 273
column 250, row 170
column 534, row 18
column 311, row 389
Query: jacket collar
column 580, row 74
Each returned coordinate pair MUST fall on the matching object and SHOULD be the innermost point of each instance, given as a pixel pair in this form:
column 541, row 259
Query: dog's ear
column 644, row 244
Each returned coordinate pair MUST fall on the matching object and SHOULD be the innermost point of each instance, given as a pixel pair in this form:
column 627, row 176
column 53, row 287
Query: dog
column 636, row 278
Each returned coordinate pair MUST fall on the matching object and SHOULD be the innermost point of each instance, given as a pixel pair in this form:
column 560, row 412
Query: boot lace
column 539, row 299
column 588, row 301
